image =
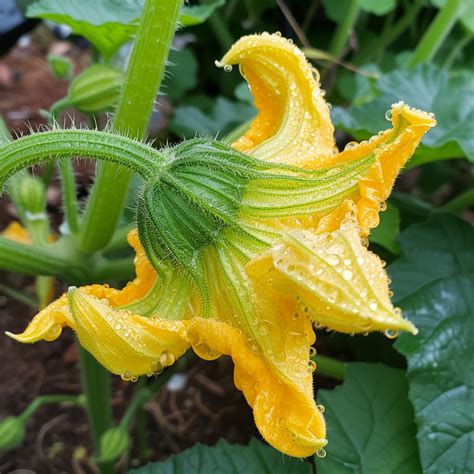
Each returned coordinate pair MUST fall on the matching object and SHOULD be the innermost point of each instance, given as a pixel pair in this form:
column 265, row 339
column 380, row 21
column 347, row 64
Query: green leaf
column 377, row 7
column 336, row 10
column 428, row 88
column 434, row 285
column 195, row 15
column 225, row 458
column 181, row 74
column 370, row 423
column 108, row 24
column 387, row 230
column 224, row 116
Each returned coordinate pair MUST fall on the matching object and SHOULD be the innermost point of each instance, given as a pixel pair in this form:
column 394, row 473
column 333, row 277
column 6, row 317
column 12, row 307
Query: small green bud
column 96, row 89
column 60, row 66
column 12, row 433
column 113, row 443
column 28, row 193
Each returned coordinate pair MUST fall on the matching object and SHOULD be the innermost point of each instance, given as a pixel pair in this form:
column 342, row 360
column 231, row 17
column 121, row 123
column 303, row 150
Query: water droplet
column 350, row 145
column 347, row 262
column 205, row 352
column 391, row 333
column 347, row 275
column 312, row 351
column 228, row 68
column 333, row 259
column 389, row 115
column 321, row 453
column 373, row 306
column 311, row 366
column 383, row 206
column 321, row 408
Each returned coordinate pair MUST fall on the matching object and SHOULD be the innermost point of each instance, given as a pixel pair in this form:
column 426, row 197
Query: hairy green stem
column 144, row 74
column 68, row 184
column 344, row 29
column 41, row 147
column 330, row 367
column 437, row 32
column 96, row 388
column 45, row 399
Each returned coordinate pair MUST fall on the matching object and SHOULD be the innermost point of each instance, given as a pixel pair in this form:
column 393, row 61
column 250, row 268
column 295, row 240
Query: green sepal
column 113, row 443
column 12, row 433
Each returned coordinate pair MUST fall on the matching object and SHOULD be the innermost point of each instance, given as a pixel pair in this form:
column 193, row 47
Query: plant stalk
column 142, row 82
column 96, row 388
column 436, row 32
column 330, row 367
column 344, row 29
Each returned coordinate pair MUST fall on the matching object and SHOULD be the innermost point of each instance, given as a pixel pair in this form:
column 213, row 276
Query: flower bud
column 60, row 66
column 95, row 90
column 12, row 433
column 28, row 193
column 113, row 443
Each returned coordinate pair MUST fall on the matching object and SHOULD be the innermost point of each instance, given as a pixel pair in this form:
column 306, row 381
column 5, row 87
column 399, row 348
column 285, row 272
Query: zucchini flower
column 241, row 250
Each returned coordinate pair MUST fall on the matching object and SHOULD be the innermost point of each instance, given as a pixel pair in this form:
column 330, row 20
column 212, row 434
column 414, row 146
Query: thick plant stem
column 142, row 81
column 330, row 367
column 344, row 29
column 68, row 185
column 437, row 32
column 96, row 388
column 459, row 203
column 21, row 258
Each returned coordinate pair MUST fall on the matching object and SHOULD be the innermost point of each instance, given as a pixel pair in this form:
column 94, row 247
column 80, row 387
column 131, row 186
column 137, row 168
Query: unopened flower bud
column 12, row 433
column 113, row 443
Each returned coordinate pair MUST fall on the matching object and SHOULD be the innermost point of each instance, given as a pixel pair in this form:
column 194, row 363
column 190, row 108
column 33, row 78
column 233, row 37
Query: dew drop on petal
column 391, row 333
column 321, row 408
column 312, row 351
column 321, row 453
column 347, row 275
column 389, row 115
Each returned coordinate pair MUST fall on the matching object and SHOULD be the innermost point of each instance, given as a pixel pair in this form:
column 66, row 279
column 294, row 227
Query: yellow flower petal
column 293, row 124
column 392, row 149
column 48, row 323
column 269, row 344
column 144, row 281
column 338, row 282
column 124, row 343
column 15, row 231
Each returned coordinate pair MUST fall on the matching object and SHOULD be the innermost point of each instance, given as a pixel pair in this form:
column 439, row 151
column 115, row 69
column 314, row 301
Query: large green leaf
column 370, row 423
column 108, row 24
column 434, row 285
column 224, row 116
column 428, row 88
column 386, row 232
column 336, row 10
column 225, row 458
